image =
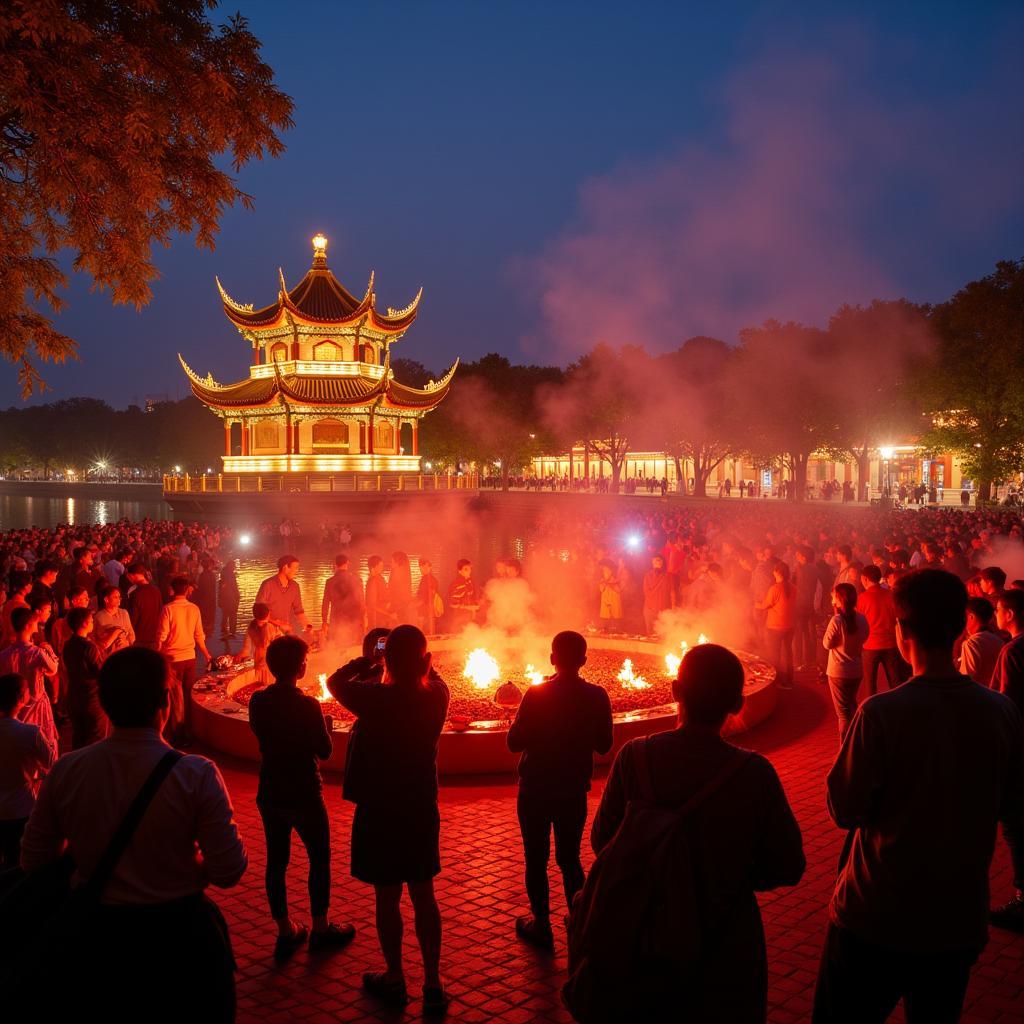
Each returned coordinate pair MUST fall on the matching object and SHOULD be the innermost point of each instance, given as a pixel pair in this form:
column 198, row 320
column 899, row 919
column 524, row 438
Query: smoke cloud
column 817, row 191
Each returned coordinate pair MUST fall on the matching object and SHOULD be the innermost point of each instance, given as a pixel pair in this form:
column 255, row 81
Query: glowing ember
column 533, row 677
column 324, row 694
column 629, row 680
column 481, row 669
column 702, row 639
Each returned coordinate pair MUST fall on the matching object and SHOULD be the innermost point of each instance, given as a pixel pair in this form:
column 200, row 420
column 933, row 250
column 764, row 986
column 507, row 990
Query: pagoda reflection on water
column 320, row 396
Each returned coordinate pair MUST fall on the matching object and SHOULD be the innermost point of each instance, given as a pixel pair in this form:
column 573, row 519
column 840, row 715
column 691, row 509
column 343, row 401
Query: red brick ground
column 491, row 975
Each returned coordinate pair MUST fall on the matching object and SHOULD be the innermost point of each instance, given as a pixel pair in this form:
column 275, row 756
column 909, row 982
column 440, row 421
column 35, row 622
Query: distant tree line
column 948, row 377
column 88, row 437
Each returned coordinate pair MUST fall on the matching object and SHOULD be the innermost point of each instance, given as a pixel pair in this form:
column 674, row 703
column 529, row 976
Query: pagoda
column 320, row 396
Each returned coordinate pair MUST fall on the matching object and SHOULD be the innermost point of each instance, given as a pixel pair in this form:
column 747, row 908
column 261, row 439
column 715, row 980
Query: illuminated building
column 900, row 464
column 320, row 397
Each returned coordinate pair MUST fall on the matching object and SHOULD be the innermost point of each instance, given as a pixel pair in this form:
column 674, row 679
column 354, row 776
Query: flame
column 481, row 668
column 533, row 677
column 673, row 660
column 324, row 693
column 629, row 680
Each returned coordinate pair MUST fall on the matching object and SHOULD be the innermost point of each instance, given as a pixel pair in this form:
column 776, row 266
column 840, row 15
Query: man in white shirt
column 981, row 648
column 179, row 634
column 156, row 940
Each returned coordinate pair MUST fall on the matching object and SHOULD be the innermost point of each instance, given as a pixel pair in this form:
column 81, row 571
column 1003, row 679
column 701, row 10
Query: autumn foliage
column 121, row 124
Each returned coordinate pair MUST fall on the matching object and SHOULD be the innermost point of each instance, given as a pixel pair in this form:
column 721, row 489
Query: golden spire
column 320, row 250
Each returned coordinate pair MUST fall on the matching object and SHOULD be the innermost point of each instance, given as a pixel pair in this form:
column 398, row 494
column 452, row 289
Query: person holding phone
column 368, row 667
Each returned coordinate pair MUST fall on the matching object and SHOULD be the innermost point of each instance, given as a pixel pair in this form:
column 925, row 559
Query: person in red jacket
column 657, row 592
column 876, row 605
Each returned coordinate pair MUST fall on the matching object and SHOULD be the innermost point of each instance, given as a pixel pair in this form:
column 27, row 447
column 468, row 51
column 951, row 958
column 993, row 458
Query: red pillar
column 227, row 437
column 415, row 437
column 369, row 436
column 245, row 438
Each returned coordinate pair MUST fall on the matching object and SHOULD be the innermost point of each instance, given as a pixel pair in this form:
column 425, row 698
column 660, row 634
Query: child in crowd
column 258, row 637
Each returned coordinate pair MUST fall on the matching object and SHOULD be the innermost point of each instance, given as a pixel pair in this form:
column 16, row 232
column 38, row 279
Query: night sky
column 560, row 174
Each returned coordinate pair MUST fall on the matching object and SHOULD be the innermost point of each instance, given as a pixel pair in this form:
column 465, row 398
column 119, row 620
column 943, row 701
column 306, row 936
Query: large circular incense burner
column 474, row 737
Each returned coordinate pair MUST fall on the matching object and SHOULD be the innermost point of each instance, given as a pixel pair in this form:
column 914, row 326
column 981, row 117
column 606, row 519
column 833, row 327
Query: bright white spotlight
column 244, row 539
column 633, row 541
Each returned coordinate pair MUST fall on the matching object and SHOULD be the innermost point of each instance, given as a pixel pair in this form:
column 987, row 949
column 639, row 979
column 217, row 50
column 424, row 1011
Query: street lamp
column 886, row 451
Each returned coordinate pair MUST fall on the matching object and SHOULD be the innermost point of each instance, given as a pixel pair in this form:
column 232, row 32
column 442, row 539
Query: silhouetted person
column 560, row 725
column 342, row 613
column 293, row 737
column 391, row 777
column 228, row 599
column 144, row 602
column 743, row 839
column 82, row 660
column 1008, row 679
column 925, row 772
column 168, row 941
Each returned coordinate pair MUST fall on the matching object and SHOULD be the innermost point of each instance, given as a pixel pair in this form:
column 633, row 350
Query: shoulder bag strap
column 735, row 762
column 122, row 837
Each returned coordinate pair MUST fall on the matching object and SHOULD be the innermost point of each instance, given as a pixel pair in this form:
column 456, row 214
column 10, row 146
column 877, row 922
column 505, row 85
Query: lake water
column 19, row 511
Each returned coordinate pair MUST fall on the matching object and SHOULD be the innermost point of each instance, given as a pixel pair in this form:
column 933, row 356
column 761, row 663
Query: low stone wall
column 67, row 489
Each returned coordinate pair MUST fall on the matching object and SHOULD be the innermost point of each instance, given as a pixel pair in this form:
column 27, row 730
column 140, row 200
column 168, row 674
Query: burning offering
column 481, row 669
column 533, row 676
column 629, row 679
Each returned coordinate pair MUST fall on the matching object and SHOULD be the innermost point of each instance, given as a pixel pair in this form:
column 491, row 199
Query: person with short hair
column 113, row 624
column 982, row 644
column 281, row 594
column 391, row 777
column 874, row 602
column 658, row 593
column 745, row 838
column 180, row 633
column 342, row 613
column 145, row 602
column 25, row 756
column 923, row 776
column 993, row 582
column 463, row 597
column 561, row 723
column 17, row 597
column 168, row 940
column 293, row 737
column 378, row 598
column 82, row 660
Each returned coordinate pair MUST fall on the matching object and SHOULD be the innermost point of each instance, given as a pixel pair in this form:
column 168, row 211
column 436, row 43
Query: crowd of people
column 103, row 628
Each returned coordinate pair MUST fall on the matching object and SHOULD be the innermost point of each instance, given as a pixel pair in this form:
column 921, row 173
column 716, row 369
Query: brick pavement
column 491, row 975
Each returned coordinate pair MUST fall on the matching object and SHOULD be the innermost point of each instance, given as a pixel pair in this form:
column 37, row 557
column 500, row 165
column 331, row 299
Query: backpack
column 635, row 931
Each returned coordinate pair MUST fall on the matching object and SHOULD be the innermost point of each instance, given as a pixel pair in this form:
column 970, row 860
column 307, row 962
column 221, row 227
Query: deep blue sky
column 555, row 174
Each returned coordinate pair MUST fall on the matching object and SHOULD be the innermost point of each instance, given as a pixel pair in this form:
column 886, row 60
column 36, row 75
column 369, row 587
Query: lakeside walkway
column 494, row 977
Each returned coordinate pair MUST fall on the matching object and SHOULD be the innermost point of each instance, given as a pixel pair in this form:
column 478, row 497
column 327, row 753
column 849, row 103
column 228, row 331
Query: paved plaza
column 494, row 977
